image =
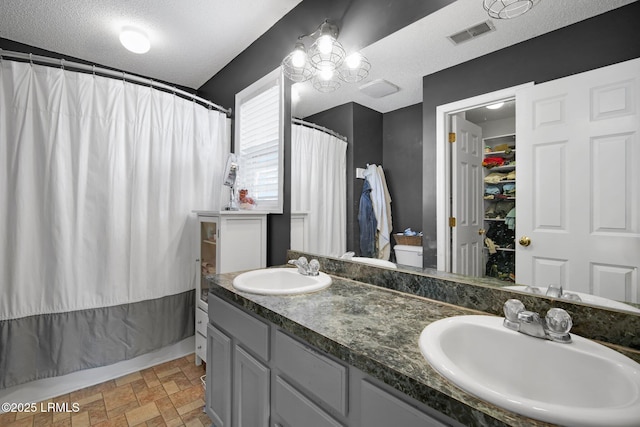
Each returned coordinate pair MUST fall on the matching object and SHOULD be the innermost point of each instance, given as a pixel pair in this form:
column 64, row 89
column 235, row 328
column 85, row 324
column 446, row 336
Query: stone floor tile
column 142, row 414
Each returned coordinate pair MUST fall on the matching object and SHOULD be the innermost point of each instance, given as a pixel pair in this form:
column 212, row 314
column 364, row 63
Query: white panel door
column 467, row 199
column 579, row 182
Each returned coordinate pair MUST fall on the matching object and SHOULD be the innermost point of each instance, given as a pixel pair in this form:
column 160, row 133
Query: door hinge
column 452, row 137
column 452, row 221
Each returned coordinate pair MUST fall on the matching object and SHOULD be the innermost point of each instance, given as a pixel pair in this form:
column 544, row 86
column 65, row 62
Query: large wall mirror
column 613, row 210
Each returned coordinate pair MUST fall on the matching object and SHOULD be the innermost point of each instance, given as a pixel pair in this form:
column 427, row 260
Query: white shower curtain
column 97, row 181
column 319, row 187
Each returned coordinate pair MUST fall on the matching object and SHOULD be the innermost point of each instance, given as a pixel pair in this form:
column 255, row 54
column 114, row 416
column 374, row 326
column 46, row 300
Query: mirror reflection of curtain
column 319, row 187
column 97, row 181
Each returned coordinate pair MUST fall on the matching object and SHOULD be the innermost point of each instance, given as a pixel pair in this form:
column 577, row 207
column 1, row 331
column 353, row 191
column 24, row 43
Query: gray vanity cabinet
column 260, row 376
column 238, row 373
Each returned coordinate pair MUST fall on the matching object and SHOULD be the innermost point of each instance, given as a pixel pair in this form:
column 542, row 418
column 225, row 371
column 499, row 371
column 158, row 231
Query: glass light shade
column 326, row 53
column 135, row 41
column 354, row 68
column 325, row 86
column 298, row 58
column 296, row 65
column 326, row 74
column 507, row 9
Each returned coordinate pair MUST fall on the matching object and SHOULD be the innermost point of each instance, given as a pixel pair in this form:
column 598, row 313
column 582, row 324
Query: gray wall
column 600, row 41
column 402, row 161
column 361, row 23
column 363, row 128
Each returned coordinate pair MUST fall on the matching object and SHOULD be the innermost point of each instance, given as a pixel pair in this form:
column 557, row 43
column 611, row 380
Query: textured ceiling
column 192, row 40
column 422, row 48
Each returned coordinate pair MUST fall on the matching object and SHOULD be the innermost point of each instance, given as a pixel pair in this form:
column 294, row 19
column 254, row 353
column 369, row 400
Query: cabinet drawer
column 313, row 372
column 382, row 409
column 201, row 321
column 251, row 332
column 296, row 410
column 201, row 346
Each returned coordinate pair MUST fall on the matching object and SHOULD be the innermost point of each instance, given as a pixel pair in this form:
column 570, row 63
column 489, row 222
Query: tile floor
column 170, row 394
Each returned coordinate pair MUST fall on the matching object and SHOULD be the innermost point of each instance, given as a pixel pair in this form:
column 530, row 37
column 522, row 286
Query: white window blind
column 259, row 147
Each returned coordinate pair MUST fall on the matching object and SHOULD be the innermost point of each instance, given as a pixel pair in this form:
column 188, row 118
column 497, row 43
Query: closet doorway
column 578, row 201
column 462, row 207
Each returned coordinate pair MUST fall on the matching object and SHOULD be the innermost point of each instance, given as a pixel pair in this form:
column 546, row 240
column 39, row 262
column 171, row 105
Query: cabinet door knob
column 481, row 231
column 524, row 241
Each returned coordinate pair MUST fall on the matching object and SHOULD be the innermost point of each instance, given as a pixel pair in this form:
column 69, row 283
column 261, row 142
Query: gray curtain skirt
column 50, row 345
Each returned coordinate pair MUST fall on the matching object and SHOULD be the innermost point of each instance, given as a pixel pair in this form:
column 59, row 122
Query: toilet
column 408, row 255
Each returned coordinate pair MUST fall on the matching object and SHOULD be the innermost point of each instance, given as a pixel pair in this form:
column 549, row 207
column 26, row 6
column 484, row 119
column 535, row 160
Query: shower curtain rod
column 110, row 73
column 318, row 127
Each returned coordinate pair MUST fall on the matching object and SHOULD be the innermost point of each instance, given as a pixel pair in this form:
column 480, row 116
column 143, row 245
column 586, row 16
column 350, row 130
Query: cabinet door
column 242, row 243
column 467, row 207
column 209, row 256
column 251, row 398
column 218, row 394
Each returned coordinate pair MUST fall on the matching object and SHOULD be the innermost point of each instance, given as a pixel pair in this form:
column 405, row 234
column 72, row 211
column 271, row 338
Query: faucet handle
column 314, row 267
column 559, row 324
column 512, row 307
column 554, row 291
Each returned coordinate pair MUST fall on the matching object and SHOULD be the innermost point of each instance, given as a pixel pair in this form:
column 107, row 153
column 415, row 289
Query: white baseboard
column 46, row 388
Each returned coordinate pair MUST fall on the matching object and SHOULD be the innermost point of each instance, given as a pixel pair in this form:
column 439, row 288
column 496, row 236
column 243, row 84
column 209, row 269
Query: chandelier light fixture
column 326, row 63
column 507, row 9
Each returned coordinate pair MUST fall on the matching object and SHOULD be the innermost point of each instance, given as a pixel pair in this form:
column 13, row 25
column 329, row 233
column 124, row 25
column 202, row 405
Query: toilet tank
column 408, row 255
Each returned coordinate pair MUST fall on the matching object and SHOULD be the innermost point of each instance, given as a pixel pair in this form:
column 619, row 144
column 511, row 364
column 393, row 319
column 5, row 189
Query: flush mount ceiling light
column 135, row 41
column 507, row 9
column 495, row 106
column 326, row 62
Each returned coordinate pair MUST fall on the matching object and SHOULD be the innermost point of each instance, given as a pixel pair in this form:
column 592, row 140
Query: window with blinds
column 259, row 143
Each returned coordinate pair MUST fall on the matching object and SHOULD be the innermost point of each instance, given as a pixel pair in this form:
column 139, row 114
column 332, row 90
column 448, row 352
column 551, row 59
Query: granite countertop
column 377, row 331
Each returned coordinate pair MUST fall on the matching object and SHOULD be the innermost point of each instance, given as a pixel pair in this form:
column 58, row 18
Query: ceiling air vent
column 379, row 88
column 472, row 32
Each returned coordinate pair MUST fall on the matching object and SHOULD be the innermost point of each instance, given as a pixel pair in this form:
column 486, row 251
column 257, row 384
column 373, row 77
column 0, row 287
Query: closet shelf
column 500, row 153
column 504, row 181
column 502, row 168
column 209, row 242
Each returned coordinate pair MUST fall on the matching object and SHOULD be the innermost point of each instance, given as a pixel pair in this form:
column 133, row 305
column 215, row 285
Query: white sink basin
column 280, row 281
column 373, row 261
column 578, row 384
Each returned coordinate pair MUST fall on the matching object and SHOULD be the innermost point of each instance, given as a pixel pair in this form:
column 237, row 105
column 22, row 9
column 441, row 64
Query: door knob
column 481, row 231
column 524, row 241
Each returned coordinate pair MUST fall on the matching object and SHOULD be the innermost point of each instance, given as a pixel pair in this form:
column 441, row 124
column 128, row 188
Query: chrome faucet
column 553, row 291
column 555, row 326
column 306, row 268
